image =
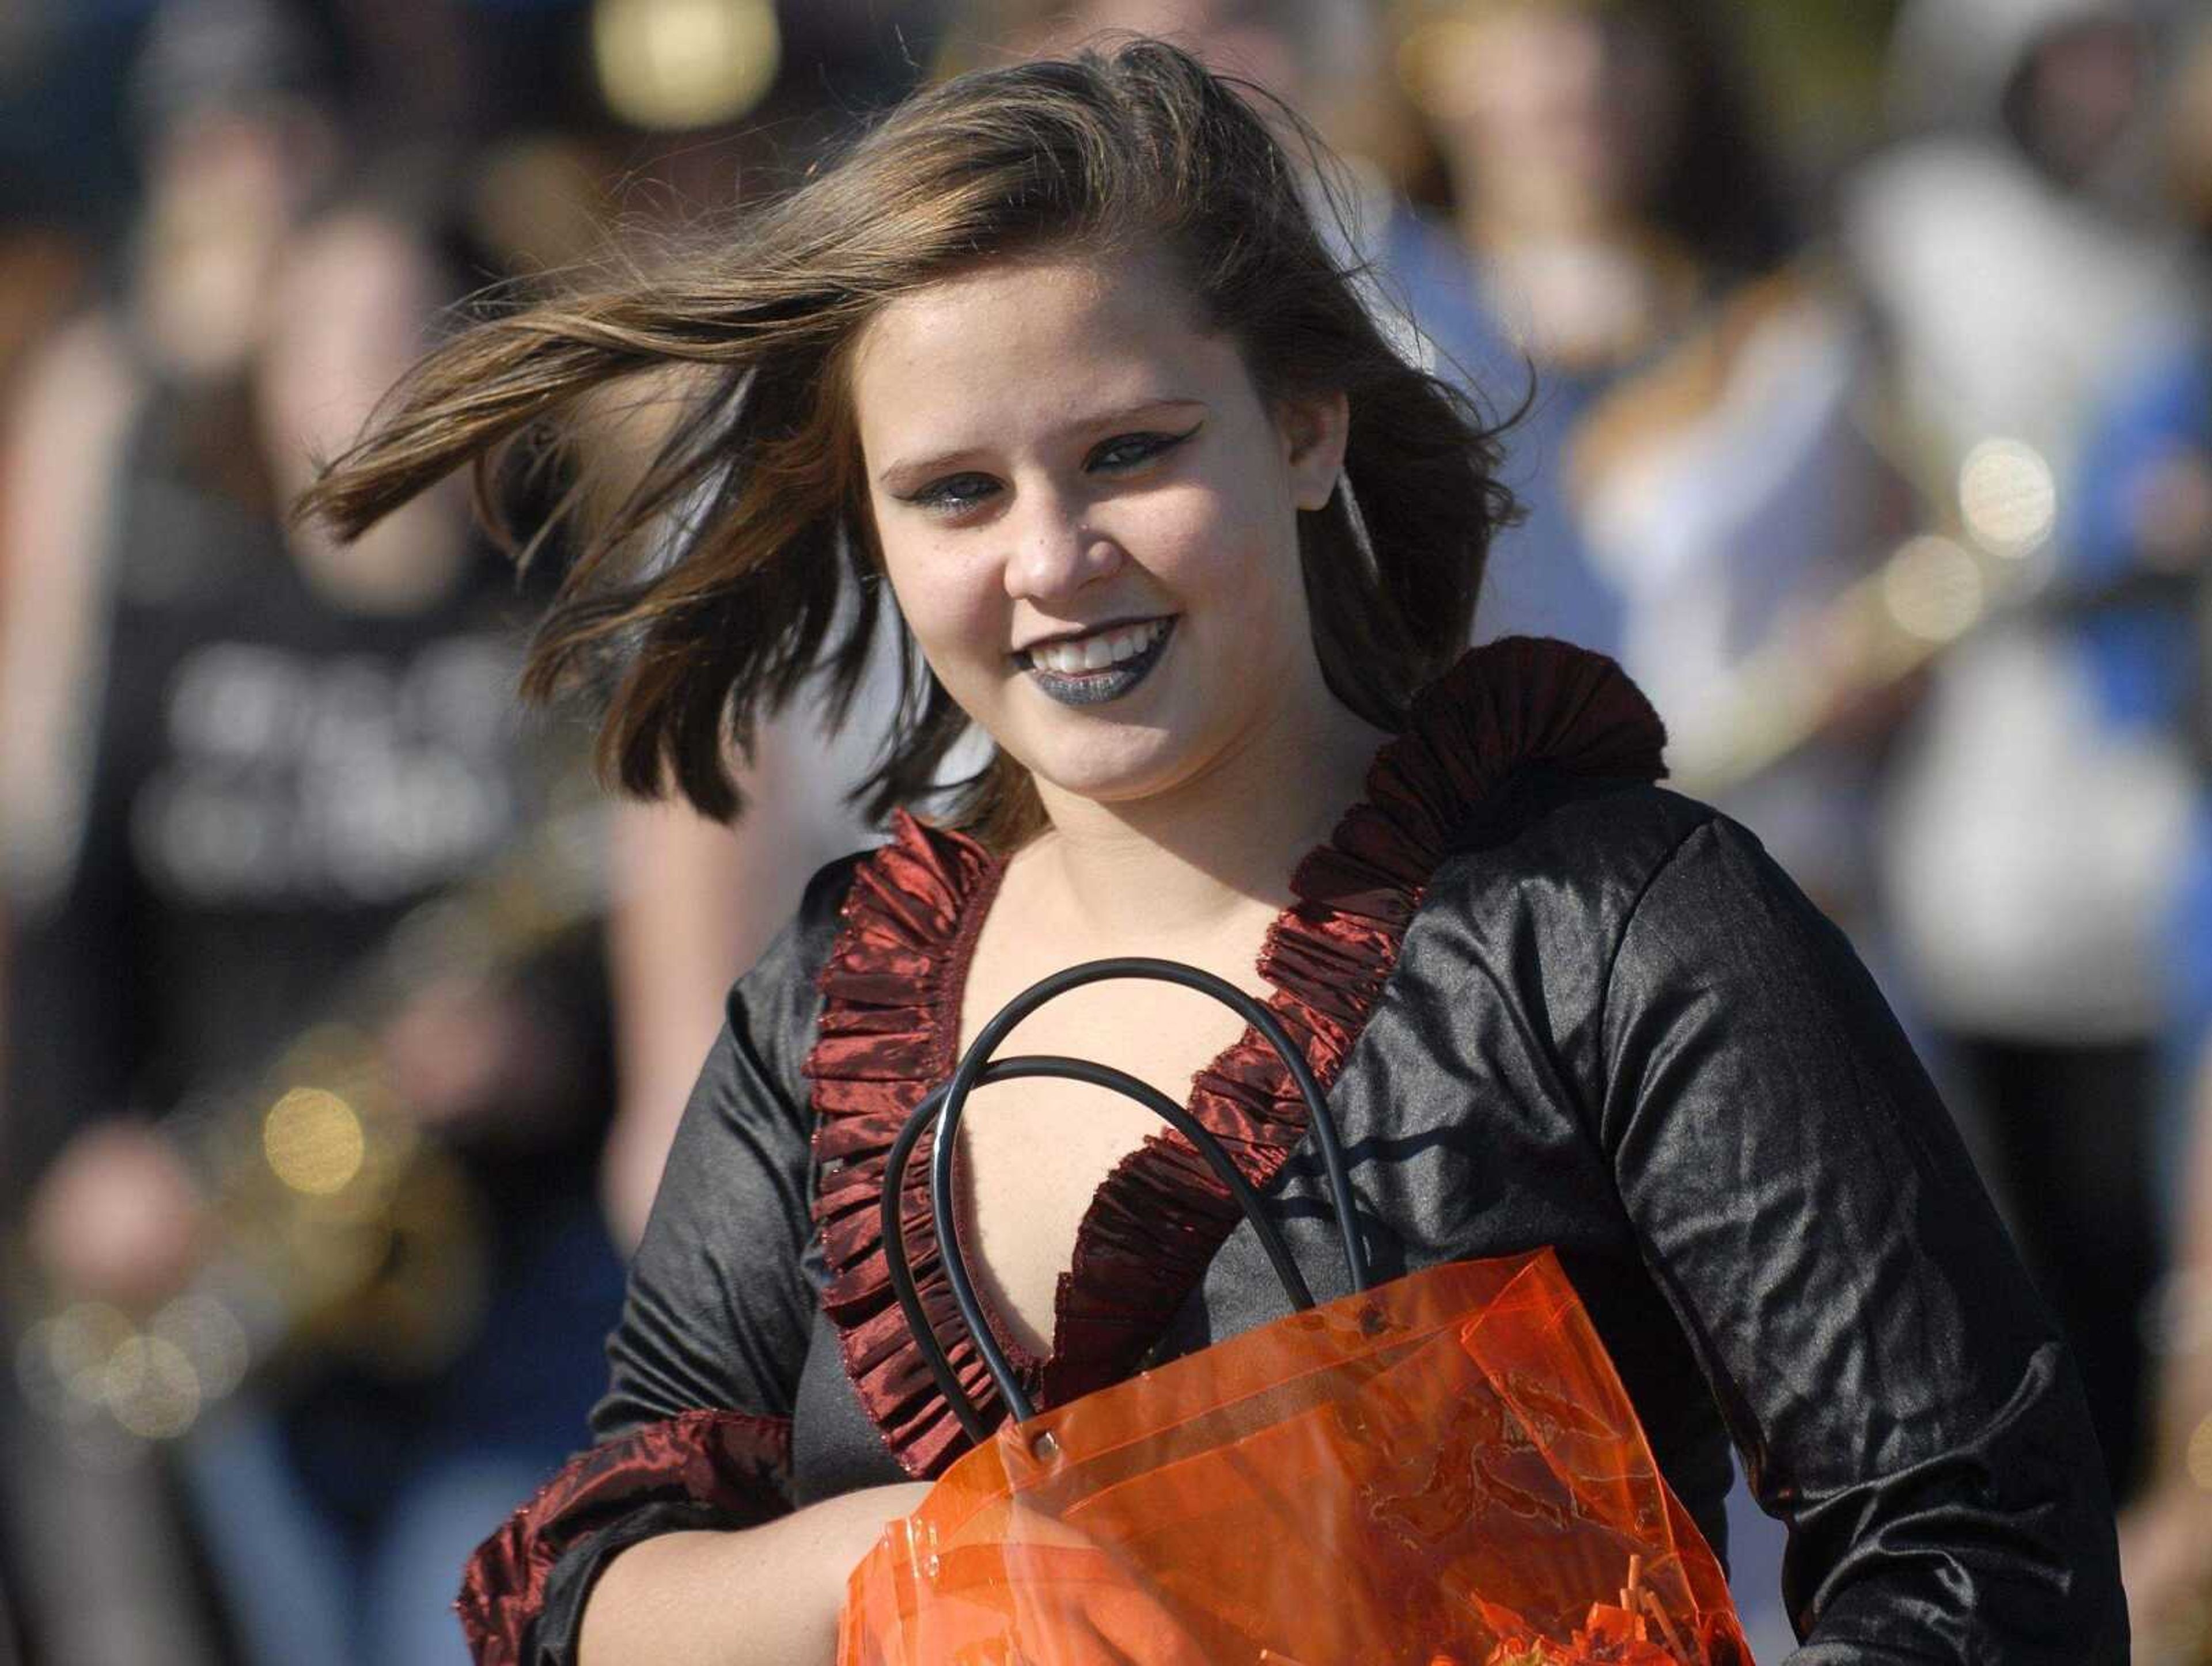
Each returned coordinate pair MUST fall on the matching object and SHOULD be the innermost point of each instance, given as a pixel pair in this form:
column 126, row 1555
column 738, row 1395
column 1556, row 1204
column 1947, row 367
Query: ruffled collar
column 890, row 1028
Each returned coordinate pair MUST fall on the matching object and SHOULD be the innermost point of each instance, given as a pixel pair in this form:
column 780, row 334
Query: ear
column 1315, row 427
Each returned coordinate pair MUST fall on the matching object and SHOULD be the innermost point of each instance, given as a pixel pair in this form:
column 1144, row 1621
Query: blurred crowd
column 1860, row 361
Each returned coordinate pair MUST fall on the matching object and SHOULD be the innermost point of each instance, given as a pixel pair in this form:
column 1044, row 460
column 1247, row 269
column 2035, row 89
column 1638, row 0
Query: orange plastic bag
column 1443, row 1469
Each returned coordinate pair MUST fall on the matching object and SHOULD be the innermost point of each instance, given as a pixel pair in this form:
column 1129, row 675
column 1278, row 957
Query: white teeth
column 1096, row 652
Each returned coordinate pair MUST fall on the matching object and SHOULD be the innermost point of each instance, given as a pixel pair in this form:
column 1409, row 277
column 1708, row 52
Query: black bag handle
column 947, row 1104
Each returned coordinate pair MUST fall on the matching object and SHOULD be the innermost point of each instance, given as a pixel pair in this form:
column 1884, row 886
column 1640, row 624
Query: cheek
column 1207, row 544
column 953, row 603
column 1243, row 579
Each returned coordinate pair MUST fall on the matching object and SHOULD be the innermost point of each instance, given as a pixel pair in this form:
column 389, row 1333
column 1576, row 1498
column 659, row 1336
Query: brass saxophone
column 339, row 1227
column 1990, row 557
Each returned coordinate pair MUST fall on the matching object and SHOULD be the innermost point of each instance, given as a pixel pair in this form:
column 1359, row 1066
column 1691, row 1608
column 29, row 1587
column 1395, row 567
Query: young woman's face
column 1089, row 516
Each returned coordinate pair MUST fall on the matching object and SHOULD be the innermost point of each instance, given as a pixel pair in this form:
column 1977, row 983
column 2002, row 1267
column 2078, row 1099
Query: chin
column 1112, row 774
column 1109, row 759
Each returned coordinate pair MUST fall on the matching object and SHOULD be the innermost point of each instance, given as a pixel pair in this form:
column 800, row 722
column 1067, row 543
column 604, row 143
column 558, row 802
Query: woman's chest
column 1462, row 1143
column 1034, row 1153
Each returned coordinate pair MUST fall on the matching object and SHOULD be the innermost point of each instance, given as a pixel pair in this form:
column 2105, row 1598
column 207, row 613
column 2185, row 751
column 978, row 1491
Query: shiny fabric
column 1554, row 1009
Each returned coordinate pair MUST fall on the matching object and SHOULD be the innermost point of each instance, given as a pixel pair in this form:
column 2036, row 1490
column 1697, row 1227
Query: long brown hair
column 742, row 560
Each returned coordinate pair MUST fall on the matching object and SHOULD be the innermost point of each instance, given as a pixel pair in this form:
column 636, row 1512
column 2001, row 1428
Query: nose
column 1053, row 552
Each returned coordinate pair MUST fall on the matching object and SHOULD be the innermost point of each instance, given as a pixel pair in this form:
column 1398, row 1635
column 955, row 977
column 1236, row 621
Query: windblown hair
column 742, row 560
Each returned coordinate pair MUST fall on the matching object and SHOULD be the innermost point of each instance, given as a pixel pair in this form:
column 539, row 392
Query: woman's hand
column 118, row 1218
column 1125, row 1619
column 1039, row 1592
column 1086, row 1604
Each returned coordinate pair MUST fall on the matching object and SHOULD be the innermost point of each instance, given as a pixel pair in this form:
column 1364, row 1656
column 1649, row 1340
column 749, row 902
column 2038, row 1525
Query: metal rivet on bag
column 1044, row 1448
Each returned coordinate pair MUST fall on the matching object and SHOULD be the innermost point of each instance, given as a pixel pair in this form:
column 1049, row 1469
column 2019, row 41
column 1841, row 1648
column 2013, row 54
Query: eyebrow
column 920, row 469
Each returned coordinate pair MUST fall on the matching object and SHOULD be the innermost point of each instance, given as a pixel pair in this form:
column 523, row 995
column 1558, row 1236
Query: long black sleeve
column 718, row 1309
column 1902, row 1399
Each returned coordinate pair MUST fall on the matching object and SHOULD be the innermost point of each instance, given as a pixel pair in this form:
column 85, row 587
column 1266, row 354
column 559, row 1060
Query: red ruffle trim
column 890, row 1027
column 737, row 1462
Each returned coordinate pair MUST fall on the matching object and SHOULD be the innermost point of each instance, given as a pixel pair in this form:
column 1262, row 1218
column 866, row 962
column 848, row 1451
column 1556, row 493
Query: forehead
column 1024, row 334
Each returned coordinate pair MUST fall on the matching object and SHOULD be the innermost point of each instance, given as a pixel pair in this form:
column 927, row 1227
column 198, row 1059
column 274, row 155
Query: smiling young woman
column 1100, row 566
column 1057, row 355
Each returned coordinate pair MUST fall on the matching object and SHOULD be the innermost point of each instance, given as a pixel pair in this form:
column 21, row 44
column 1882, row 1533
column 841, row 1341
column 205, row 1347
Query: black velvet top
column 1604, row 1022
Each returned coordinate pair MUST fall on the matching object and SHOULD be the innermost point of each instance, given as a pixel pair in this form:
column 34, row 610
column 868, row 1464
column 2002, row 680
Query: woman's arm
column 695, row 1431
column 766, row 1597
column 1900, row 1397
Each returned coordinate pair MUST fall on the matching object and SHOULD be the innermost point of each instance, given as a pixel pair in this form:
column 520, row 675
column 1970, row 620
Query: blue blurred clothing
column 337, row 1524
column 2139, row 648
column 1540, row 580
column 2140, row 657
column 2188, row 968
column 2190, row 941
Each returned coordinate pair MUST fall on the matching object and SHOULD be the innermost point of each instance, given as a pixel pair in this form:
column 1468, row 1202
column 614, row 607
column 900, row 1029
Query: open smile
column 1091, row 671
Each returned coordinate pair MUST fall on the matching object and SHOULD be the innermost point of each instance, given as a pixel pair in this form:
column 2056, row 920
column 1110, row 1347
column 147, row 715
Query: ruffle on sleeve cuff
column 522, row 1600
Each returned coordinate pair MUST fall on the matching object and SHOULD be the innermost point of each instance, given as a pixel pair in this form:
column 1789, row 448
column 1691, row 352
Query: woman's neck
column 1173, row 866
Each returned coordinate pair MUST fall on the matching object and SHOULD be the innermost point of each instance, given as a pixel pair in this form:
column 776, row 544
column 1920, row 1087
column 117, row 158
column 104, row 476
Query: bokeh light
column 151, row 1389
column 1933, row 588
column 2008, row 496
column 671, row 65
column 314, row 1142
column 210, row 1335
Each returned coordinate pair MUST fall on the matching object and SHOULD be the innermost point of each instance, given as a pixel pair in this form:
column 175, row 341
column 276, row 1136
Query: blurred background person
column 694, row 902
column 2035, row 819
column 265, row 751
column 108, row 1575
column 1607, row 188
column 1702, row 486
column 393, row 1460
